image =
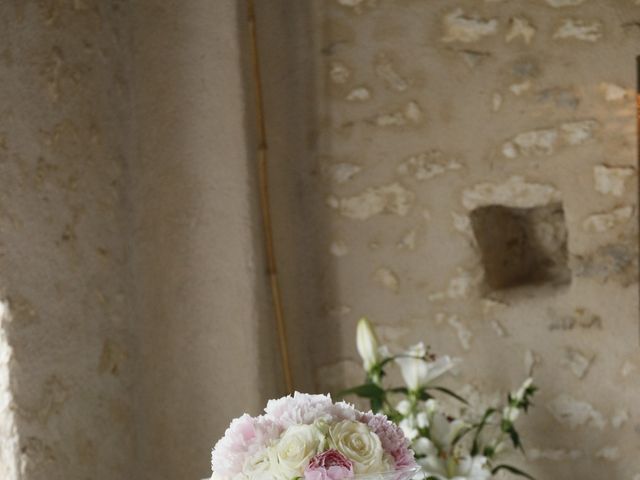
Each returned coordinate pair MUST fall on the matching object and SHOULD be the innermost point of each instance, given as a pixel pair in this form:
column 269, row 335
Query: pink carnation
column 304, row 409
column 245, row 436
column 329, row 465
column 392, row 439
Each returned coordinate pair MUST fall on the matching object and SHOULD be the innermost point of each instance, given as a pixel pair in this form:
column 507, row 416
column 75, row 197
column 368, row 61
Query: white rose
column 360, row 445
column 290, row 455
column 257, row 466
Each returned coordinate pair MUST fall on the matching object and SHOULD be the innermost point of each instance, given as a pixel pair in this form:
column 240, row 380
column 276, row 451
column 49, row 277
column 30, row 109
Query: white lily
column 462, row 468
column 418, row 372
column 367, row 344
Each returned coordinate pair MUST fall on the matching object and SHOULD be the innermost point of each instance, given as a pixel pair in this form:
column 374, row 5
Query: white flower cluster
column 445, row 447
column 310, row 437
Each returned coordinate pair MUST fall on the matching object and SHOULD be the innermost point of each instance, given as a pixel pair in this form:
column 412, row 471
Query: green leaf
column 423, row 395
column 515, row 438
column 460, row 435
column 399, row 390
column 377, row 404
column 513, row 470
column 485, row 418
column 450, row 393
column 367, row 390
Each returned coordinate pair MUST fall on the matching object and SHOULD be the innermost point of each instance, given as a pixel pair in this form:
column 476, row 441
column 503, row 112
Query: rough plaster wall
column 204, row 319
column 429, row 110
column 63, row 144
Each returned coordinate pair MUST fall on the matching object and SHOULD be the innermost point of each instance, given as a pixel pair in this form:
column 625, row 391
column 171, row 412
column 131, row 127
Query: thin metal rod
column 638, row 141
column 265, row 204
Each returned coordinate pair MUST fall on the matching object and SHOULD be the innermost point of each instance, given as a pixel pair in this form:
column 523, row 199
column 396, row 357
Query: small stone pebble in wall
column 520, row 88
column 408, row 240
column 386, row 71
column 546, row 141
column 515, row 193
column 602, row 222
column 339, row 248
column 473, row 58
column 339, row 72
column 610, row 180
column 359, row 94
column 581, row 318
column 559, row 97
column 498, row 328
column 392, row 199
column 520, row 27
column 463, row 333
column 112, row 358
column 490, row 306
column 385, row 277
column 462, row 224
column 609, row 453
column 579, row 30
column 341, row 172
column 427, row 165
column 613, row 92
column 458, row 27
column 411, row 113
column 574, row 413
column 536, row 142
column 459, row 287
column 628, row 368
column 620, row 417
column 578, row 362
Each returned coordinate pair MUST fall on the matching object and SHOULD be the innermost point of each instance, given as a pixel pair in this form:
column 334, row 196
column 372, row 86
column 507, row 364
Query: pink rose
column 329, row 465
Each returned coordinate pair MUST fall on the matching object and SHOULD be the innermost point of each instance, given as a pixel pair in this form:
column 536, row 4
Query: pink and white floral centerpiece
column 312, row 438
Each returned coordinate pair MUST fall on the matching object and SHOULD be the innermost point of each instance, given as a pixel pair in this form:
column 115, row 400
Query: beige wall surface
column 428, row 116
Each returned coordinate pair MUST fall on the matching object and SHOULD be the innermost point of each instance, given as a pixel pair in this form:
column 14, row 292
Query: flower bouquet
column 312, row 438
column 449, row 442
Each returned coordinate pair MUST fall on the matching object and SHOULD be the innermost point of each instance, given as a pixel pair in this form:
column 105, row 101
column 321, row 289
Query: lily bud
column 519, row 395
column 367, row 344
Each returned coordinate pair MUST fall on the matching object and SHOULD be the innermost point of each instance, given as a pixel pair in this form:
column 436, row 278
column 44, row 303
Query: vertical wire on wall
column 265, row 205
column 638, row 149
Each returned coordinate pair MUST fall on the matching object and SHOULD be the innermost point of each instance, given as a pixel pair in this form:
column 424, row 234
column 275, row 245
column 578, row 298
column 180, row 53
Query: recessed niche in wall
column 522, row 246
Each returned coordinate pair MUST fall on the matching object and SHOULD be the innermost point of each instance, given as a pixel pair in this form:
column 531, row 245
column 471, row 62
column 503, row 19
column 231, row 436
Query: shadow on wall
column 287, row 52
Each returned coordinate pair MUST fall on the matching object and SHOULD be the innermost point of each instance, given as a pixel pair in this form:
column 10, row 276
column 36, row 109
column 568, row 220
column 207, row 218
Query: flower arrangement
column 447, row 445
column 312, row 438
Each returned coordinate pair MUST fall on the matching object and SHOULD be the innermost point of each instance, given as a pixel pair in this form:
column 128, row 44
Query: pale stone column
column 207, row 351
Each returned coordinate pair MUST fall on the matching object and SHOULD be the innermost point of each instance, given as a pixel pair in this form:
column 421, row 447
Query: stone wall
column 462, row 172
column 476, row 175
column 64, row 283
